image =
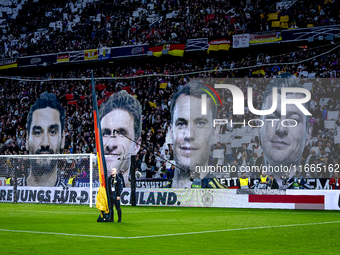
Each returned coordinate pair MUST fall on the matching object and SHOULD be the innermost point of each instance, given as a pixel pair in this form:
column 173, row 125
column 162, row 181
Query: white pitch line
column 63, row 212
column 174, row 210
column 175, row 234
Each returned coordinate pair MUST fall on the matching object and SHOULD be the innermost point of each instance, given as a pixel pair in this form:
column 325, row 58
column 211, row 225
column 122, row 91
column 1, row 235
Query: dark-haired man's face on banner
column 192, row 132
column 115, row 144
column 45, row 135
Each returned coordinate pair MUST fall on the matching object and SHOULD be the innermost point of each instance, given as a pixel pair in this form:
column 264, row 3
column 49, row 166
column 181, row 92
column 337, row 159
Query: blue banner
column 104, row 53
column 128, row 51
column 303, row 34
column 38, row 60
column 76, row 56
column 200, row 44
column 85, row 182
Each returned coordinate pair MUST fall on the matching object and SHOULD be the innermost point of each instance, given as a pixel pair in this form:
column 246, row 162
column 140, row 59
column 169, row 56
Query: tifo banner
column 199, row 44
column 64, row 57
column 306, row 33
column 128, row 51
column 56, row 195
column 265, row 37
column 91, row 54
column 104, row 53
column 241, row 41
column 77, row 56
column 239, row 143
column 220, row 44
column 8, row 63
column 38, row 60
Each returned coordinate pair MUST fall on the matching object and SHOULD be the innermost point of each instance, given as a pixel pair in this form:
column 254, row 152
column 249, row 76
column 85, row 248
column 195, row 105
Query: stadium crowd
column 42, row 27
column 75, row 96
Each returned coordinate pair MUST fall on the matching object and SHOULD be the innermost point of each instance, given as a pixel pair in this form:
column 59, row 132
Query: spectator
column 243, row 181
column 272, row 182
column 171, row 172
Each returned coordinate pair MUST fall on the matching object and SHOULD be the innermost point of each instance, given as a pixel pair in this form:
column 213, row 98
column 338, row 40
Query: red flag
column 128, row 90
column 72, row 102
column 101, row 86
column 209, row 17
column 69, row 97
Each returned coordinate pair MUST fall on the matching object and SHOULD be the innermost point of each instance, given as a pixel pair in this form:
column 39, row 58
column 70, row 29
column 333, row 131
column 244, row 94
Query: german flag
column 176, row 50
column 220, row 44
column 157, row 51
column 103, row 192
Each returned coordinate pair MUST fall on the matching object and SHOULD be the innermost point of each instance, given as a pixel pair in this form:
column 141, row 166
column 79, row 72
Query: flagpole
column 99, row 143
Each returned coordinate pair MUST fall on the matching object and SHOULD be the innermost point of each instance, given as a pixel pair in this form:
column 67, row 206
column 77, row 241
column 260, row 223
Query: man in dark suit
column 151, row 160
column 120, row 175
column 272, row 182
column 115, row 189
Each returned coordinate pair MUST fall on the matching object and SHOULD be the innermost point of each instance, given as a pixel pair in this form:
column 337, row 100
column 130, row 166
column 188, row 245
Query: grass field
column 69, row 229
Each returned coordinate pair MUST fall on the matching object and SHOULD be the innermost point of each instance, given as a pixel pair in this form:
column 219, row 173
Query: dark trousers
column 116, row 203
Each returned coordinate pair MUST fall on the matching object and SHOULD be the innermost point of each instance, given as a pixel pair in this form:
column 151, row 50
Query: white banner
column 284, row 5
column 57, row 195
column 241, row 41
column 332, row 115
column 232, row 198
column 225, row 198
column 2, row 181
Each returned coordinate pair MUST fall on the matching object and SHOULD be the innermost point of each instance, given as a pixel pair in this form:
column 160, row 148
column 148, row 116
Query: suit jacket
column 273, row 184
column 115, row 186
column 150, row 160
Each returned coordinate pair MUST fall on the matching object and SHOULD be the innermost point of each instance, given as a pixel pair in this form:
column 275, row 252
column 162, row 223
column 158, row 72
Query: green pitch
column 63, row 229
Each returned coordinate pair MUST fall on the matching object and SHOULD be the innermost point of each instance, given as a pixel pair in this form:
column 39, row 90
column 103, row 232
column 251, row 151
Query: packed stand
column 63, row 26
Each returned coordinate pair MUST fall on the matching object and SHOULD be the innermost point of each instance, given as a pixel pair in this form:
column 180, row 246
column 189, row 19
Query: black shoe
column 105, row 218
column 100, row 219
column 119, row 221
